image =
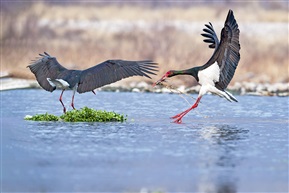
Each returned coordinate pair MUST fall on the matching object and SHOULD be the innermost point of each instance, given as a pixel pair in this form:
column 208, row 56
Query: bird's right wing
column 45, row 67
column 229, row 51
column 227, row 54
column 211, row 36
column 113, row 70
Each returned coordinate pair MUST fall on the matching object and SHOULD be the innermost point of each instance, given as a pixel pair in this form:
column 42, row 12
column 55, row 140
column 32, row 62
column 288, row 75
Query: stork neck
column 180, row 72
column 192, row 71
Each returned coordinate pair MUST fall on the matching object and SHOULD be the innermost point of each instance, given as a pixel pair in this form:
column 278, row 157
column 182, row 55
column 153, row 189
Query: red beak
column 160, row 80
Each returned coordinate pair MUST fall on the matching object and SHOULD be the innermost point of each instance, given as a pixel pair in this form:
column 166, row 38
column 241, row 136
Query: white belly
column 209, row 75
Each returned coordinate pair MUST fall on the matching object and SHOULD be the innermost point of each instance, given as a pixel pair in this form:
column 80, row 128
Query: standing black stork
column 51, row 75
column 216, row 74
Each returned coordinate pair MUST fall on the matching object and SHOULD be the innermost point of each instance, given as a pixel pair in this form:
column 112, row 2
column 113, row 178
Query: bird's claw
column 176, row 116
column 178, row 120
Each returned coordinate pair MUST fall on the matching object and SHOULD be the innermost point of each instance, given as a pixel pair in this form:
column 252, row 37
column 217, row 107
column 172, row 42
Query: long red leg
column 60, row 99
column 72, row 101
column 179, row 117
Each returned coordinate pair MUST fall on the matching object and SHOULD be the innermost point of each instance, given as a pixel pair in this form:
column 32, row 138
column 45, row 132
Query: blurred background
column 82, row 34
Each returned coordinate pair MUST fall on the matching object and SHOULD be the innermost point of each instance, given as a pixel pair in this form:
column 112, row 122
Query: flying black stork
column 215, row 75
column 51, row 75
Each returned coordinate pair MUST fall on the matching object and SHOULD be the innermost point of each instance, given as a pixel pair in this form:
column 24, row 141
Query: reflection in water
column 221, row 149
column 81, row 139
column 225, row 142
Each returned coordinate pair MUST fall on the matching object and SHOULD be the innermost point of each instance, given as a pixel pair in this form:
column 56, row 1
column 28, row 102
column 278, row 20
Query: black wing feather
column 211, row 35
column 227, row 53
column 46, row 67
column 113, row 70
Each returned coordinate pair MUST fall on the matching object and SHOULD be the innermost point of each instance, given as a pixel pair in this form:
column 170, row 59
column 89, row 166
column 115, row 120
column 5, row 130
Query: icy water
column 220, row 147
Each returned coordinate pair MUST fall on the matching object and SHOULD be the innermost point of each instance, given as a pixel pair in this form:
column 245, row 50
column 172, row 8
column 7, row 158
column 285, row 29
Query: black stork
column 51, row 75
column 215, row 75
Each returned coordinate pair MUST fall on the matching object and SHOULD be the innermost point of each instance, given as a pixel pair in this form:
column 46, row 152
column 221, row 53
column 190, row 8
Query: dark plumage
column 211, row 35
column 215, row 75
column 51, row 75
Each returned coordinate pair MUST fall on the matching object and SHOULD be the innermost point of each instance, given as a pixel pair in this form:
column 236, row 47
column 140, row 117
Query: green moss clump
column 90, row 115
column 83, row 115
column 42, row 117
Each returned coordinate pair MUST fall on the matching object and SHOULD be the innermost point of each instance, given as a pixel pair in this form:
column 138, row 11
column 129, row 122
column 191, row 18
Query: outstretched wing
column 113, row 70
column 211, row 36
column 45, row 67
column 227, row 54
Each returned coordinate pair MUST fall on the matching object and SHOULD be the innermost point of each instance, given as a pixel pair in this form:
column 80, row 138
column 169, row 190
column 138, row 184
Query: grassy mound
column 83, row 115
column 42, row 117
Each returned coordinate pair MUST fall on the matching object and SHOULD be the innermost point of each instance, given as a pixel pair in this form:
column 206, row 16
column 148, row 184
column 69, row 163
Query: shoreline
column 239, row 88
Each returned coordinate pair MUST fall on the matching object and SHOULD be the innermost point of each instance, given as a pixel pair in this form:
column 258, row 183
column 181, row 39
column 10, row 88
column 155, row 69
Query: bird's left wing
column 46, row 67
column 211, row 36
column 113, row 70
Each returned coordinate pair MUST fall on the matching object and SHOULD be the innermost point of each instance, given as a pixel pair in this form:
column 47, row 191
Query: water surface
column 220, row 147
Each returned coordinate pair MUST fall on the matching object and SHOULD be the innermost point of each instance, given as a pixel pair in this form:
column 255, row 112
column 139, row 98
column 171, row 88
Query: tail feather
column 231, row 96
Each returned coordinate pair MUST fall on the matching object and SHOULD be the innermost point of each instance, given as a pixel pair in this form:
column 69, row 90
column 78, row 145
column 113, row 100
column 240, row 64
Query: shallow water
column 220, row 147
